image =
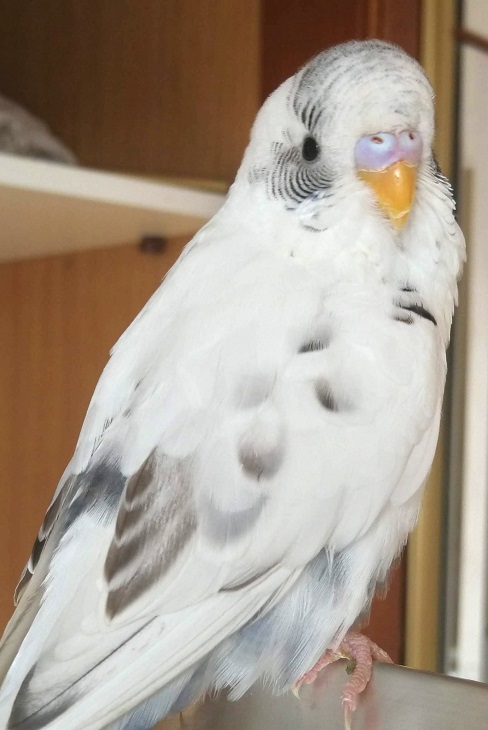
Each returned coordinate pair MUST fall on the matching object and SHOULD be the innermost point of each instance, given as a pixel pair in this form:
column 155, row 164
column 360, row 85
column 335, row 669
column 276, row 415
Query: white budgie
column 255, row 452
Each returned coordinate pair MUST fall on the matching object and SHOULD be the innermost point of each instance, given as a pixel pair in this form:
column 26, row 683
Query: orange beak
column 394, row 189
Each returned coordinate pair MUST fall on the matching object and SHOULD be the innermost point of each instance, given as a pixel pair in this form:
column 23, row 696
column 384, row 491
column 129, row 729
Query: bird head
column 359, row 122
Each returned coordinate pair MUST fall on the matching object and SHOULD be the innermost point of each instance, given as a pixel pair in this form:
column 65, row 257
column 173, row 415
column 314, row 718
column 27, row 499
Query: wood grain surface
column 128, row 83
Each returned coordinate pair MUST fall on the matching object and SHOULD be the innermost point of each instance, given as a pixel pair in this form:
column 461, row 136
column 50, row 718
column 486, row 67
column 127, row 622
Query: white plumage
column 254, row 454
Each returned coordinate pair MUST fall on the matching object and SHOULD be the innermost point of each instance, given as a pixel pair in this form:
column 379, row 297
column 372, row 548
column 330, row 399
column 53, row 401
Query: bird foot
column 360, row 653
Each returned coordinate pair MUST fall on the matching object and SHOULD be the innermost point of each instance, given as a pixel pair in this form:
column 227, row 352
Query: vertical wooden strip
column 398, row 22
column 373, row 18
column 294, row 32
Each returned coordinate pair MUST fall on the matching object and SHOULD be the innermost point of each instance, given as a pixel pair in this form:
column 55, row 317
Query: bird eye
column 310, row 149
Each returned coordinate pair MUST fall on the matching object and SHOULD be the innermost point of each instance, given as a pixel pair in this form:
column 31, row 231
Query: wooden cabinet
column 148, row 86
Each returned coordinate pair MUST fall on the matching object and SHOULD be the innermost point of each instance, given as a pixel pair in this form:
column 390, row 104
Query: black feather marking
column 328, row 399
column 52, row 515
column 291, row 178
column 41, row 717
column 22, row 584
column 414, row 308
column 422, row 312
column 320, row 339
column 312, row 346
column 99, row 489
column 240, row 584
column 36, row 552
column 406, row 319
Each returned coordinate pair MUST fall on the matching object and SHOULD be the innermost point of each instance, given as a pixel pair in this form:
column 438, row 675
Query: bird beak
column 394, row 189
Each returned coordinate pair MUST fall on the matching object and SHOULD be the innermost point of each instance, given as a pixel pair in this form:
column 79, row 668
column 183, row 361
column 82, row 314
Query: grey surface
column 396, row 699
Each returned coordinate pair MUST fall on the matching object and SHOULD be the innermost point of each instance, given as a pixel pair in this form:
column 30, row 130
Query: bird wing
column 221, row 451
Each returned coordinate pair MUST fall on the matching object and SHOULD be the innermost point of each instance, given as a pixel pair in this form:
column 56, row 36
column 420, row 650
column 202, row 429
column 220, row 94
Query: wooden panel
column 59, row 317
column 160, row 86
column 398, row 22
column 294, row 32
column 386, row 623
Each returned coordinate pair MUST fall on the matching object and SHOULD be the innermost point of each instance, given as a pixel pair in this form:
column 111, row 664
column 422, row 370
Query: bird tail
column 132, row 676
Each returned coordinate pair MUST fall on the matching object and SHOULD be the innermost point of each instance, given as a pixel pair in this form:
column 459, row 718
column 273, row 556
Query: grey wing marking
column 156, row 519
column 96, row 490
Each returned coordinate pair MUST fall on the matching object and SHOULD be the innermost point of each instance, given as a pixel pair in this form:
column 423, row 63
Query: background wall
column 149, row 86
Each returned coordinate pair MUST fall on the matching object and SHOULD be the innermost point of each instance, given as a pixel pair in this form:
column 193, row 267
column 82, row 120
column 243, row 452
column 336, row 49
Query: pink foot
column 360, row 653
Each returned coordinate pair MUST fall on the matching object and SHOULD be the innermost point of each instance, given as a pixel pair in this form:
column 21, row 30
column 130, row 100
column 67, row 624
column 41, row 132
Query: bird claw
column 296, row 689
column 360, row 653
column 347, row 716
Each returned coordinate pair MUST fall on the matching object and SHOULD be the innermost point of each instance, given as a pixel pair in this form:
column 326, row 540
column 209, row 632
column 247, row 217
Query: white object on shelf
column 48, row 208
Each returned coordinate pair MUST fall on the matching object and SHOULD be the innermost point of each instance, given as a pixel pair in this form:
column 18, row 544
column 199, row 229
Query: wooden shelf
column 47, row 208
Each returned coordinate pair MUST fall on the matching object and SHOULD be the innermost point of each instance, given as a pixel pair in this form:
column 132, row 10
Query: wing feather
column 153, row 526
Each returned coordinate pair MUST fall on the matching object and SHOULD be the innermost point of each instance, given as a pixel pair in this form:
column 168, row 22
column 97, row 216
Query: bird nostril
column 375, row 151
column 410, row 145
